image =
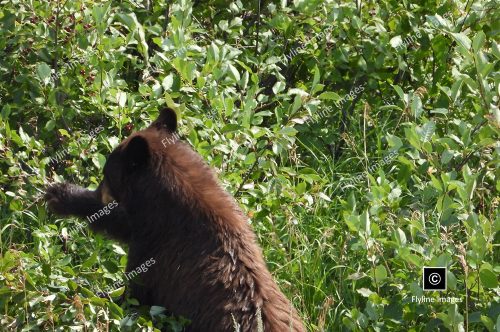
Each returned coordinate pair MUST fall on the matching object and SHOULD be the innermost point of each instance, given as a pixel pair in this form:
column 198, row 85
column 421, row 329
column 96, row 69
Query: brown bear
column 170, row 208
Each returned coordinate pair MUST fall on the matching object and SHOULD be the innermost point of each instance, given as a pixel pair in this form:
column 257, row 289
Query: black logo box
column 434, row 278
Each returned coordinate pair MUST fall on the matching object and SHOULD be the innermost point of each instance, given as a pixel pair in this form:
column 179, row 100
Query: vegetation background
column 360, row 137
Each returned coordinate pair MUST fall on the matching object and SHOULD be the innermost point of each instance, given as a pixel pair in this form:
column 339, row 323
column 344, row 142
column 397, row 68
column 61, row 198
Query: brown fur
column 209, row 267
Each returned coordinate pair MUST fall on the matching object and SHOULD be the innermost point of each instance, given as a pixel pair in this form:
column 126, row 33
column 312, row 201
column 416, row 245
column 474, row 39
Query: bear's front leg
column 67, row 199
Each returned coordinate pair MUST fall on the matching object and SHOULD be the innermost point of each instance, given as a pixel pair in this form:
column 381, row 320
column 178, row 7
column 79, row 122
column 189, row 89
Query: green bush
column 361, row 138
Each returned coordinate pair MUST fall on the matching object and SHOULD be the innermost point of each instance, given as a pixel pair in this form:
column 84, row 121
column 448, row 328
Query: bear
column 169, row 207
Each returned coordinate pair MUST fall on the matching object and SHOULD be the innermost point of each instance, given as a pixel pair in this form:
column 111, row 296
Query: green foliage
column 360, row 137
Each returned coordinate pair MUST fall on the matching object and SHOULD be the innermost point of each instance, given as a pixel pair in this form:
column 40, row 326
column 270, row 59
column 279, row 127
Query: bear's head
column 136, row 169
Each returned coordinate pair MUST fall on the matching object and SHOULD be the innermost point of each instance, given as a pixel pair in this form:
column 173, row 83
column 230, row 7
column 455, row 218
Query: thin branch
column 167, row 17
column 344, row 122
column 245, row 178
column 459, row 30
column 265, row 106
column 57, row 82
column 458, row 168
column 258, row 28
column 481, row 85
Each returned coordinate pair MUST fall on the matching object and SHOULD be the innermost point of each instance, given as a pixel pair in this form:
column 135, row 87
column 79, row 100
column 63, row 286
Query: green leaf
column 490, row 325
column 167, row 82
column 394, row 142
column 400, row 237
column 117, row 292
column 278, row 87
column 213, row 53
column 365, row 292
column 111, row 266
column 288, row 131
column 64, row 132
column 99, row 160
column 316, row 77
column 464, row 44
column 250, row 158
column 329, row 95
column 455, row 90
column 439, row 111
column 437, row 21
column 121, row 98
column 301, row 188
column 72, row 285
column 446, row 156
column 488, row 278
column 400, row 92
column 99, row 12
column 427, row 131
column 297, row 102
column 352, row 223
column 6, row 109
column 90, row 261
column 365, row 223
column 156, row 310
column 462, row 40
column 298, row 92
column 478, row 41
column 115, row 310
column 137, row 30
column 380, row 274
column 51, row 124
column 43, row 70
column 234, row 73
column 396, row 41
column 325, row 197
column 416, row 106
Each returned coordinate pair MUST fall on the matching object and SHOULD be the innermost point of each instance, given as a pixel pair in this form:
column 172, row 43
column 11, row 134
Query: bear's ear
column 137, row 153
column 166, row 120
